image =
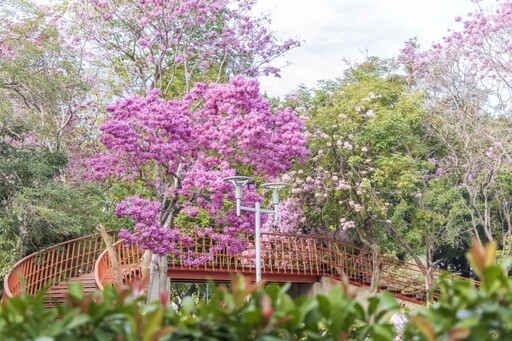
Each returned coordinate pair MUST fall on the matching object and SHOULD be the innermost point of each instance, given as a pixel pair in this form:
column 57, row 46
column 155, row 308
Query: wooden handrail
column 285, row 254
column 129, row 260
column 282, row 255
column 53, row 265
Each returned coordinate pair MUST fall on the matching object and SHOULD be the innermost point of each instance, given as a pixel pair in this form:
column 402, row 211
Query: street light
column 275, row 187
column 238, row 182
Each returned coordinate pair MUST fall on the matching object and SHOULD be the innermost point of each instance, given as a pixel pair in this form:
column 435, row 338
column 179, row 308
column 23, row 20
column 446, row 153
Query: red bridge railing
column 286, row 256
column 129, row 260
column 54, row 264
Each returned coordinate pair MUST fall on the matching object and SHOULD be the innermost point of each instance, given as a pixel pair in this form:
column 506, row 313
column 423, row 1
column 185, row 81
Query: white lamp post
column 238, row 182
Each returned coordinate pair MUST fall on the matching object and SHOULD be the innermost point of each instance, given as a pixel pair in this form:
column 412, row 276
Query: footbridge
column 285, row 258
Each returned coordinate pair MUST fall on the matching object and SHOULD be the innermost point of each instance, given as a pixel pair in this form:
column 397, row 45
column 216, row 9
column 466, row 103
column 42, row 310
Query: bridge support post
column 312, row 289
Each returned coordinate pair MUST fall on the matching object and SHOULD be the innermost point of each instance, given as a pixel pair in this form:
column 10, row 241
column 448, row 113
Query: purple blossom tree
column 180, row 150
column 467, row 78
column 170, row 45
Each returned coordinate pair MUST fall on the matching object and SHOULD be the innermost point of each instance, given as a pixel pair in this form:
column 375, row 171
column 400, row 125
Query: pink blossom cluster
column 347, row 224
column 197, row 36
column 6, row 51
column 182, row 149
column 291, row 219
column 150, row 234
column 482, row 48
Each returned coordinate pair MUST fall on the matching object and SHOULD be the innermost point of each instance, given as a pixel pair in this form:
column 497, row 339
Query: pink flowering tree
column 477, row 56
column 179, row 151
column 468, row 81
column 170, row 45
column 134, row 46
column 41, row 83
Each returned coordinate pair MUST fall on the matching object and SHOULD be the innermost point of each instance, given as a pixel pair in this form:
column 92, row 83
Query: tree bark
column 21, row 244
column 158, row 280
column 367, row 239
column 376, row 258
column 111, row 254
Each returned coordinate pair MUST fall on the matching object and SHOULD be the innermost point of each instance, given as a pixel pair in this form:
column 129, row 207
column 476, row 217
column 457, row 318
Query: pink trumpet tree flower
column 182, row 149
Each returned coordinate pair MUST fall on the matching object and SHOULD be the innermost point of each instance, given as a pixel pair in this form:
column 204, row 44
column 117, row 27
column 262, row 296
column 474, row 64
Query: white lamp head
column 238, row 181
column 275, row 187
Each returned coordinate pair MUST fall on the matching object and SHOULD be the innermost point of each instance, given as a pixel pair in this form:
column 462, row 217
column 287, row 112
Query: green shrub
column 246, row 312
column 466, row 311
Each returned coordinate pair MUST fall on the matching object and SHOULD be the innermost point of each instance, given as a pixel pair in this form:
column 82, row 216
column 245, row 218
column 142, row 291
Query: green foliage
column 466, row 311
column 247, row 312
column 39, row 217
column 36, row 209
column 369, row 153
column 23, row 164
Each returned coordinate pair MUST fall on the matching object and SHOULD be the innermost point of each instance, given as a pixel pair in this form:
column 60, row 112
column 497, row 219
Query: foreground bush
column 248, row 312
column 468, row 312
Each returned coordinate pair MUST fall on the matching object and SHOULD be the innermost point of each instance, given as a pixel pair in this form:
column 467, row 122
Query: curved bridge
column 285, row 258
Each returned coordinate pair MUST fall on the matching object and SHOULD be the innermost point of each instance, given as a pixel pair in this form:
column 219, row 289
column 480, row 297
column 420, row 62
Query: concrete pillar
column 312, row 289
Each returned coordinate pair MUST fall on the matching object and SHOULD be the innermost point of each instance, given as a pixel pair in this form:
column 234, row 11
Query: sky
column 331, row 30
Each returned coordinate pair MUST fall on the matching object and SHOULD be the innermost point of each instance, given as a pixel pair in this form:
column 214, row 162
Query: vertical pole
column 275, row 201
column 257, row 241
column 238, row 196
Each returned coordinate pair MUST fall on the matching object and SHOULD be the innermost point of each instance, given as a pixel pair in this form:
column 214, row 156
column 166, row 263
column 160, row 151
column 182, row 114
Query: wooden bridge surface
column 285, row 258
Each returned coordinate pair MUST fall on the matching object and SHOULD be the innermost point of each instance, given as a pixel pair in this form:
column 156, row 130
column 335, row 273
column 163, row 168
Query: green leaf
column 324, row 306
column 253, row 317
column 78, row 321
column 187, row 305
column 492, row 278
column 381, row 333
column 154, row 322
column 373, row 303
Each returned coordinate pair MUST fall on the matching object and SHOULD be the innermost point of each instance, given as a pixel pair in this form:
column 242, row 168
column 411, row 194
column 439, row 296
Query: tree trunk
column 145, row 264
column 368, row 240
column 424, row 269
column 158, row 281
column 430, row 265
column 111, row 255
column 21, row 244
column 376, row 258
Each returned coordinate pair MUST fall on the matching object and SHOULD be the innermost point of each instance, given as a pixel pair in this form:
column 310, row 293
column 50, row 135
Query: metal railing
column 54, row 265
column 285, row 254
column 129, row 260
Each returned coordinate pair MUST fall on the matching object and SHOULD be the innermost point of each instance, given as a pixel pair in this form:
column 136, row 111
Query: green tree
column 36, row 209
column 370, row 153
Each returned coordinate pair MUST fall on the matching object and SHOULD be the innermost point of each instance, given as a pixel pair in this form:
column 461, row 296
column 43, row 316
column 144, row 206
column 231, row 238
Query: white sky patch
column 335, row 29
